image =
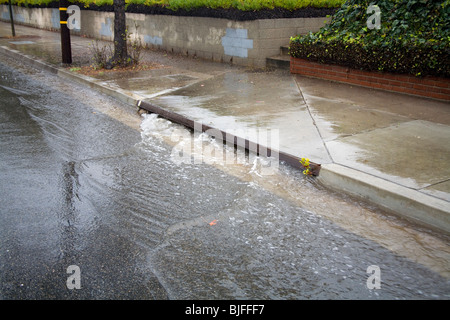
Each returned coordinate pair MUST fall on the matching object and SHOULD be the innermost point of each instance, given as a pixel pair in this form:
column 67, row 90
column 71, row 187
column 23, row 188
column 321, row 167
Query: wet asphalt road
column 46, row 225
column 79, row 187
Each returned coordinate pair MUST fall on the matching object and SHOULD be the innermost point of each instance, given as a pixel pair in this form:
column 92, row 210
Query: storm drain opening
column 227, row 138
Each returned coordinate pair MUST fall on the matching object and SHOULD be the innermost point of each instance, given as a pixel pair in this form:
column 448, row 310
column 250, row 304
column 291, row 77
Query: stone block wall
column 246, row 43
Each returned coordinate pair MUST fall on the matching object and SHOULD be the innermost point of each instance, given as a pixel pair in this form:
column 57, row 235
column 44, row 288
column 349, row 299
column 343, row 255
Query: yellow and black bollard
column 66, row 49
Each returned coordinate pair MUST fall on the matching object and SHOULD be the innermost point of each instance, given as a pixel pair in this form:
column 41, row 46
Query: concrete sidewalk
column 390, row 149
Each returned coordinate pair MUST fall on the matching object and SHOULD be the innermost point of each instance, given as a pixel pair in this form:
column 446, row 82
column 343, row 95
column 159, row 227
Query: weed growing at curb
column 100, row 54
column 305, row 164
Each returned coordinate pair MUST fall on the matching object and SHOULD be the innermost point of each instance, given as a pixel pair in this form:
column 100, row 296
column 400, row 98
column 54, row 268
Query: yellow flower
column 305, row 162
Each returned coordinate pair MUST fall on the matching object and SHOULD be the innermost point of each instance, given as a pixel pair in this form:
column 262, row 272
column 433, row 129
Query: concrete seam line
column 308, row 108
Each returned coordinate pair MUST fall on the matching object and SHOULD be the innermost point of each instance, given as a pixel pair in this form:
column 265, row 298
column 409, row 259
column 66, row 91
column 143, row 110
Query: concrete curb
column 28, row 59
column 124, row 96
column 121, row 95
column 411, row 204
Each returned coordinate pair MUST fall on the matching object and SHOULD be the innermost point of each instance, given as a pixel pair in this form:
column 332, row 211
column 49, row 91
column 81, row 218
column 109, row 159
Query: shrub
column 414, row 38
column 246, row 5
column 101, row 55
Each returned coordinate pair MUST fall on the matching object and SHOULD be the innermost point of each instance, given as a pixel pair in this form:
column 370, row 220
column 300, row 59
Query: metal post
column 65, row 32
column 11, row 19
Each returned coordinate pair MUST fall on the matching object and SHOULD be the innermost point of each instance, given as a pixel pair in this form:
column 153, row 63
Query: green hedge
column 247, row 5
column 414, row 38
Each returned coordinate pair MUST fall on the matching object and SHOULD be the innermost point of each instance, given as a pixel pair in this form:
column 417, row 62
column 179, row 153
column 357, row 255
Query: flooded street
column 85, row 181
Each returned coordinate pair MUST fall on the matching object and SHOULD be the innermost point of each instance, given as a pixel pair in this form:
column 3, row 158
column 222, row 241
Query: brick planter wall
column 430, row 87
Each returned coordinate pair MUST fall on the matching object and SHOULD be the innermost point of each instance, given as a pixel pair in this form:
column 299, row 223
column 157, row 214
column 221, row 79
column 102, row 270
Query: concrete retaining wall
column 240, row 42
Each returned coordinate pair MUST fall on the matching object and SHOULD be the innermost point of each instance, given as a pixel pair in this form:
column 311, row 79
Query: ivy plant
column 413, row 38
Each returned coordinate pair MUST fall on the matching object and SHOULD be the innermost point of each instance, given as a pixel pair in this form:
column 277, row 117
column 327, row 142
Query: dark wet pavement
column 47, row 224
column 85, row 182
